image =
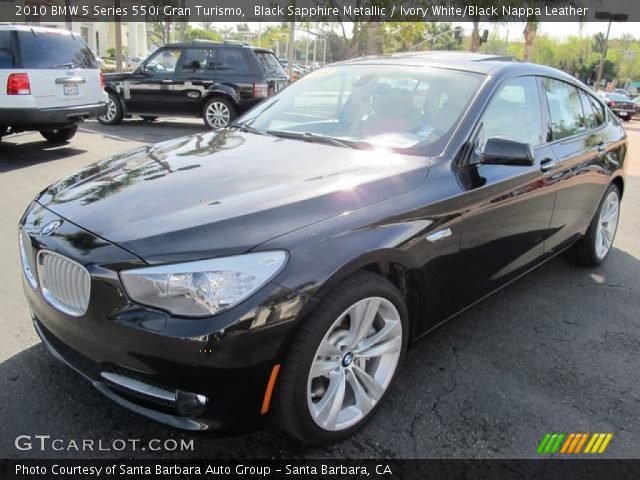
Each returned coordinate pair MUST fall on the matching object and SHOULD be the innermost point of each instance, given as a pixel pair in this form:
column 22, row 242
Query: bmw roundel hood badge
column 50, row 227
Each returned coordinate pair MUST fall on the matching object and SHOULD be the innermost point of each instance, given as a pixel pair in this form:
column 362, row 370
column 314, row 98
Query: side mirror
column 501, row 151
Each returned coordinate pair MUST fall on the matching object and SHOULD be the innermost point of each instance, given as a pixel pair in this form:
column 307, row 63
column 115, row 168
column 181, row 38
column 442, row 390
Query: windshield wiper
column 310, row 137
column 68, row 65
column 245, row 127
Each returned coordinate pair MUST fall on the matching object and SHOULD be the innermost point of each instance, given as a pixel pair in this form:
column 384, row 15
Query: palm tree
column 531, row 26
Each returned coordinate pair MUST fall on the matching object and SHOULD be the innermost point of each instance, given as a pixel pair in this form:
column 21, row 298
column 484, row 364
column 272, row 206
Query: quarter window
column 598, row 109
column 590, row 120
column 565, row 109
column 514, row 113
column 6, row 51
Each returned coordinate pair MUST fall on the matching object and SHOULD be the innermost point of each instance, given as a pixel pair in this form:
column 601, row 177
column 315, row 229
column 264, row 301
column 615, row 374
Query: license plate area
column 70, row 90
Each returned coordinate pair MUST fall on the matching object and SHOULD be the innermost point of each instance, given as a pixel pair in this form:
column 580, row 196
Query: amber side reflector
column 269, row 391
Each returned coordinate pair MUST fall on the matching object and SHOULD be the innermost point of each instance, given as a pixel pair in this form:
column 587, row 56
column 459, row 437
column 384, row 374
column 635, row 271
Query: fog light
column 190, row 404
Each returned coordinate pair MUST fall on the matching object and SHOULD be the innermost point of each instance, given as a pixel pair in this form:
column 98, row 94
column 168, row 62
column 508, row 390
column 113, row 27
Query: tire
column 218, row 112
column 590, row 250
column 300, row 394
column 59, row 135
column 148, row 119
column 114, row 113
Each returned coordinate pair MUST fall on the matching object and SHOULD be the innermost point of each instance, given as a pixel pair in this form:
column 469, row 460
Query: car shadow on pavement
column 14, row 156
column 138, row 130
column 557, row 351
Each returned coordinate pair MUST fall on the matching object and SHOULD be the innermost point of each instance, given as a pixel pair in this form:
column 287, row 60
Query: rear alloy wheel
column 59, row 135
column 218, row 113
column 343, row 361
column 114, row 113
column 594, row 247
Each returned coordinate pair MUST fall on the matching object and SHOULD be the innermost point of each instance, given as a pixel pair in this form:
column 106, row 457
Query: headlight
column 205, row 287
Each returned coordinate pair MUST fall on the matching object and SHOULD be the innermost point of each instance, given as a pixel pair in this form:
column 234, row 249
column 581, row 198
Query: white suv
column 49, row 81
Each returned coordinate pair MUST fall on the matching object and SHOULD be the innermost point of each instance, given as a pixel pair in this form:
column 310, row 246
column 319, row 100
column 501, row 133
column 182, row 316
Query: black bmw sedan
column 280, row 267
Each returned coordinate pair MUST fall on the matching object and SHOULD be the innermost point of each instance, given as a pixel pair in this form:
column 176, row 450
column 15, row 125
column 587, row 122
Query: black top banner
column 30, row 11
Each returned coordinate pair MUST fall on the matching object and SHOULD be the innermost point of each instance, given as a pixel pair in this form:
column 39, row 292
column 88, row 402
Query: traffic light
column 484, row 37
column 457, row 34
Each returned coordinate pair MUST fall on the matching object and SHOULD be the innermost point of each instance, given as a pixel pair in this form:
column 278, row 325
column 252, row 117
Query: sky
column 559, row 30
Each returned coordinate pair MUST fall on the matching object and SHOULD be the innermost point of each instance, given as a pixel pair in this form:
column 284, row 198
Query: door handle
column 547, row 164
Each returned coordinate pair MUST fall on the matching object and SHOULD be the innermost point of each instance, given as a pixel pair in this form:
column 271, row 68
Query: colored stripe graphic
column 572, row 443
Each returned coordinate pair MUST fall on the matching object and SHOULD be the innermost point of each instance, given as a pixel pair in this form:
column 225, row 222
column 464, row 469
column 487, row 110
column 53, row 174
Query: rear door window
column 270, row 65
column 44, row 50
column 232, row 60
column 197, row 60
column 6, row 50
column 565, row 108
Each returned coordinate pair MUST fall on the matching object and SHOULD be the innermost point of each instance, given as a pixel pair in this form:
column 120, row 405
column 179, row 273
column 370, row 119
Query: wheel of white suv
column 114, row 113
column 59, row 135
column 343, row 360
column 596, row 244
column 218, row 112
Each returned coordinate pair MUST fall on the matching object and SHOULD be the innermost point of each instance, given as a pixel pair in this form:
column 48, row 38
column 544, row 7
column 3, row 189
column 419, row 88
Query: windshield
column 412, row 110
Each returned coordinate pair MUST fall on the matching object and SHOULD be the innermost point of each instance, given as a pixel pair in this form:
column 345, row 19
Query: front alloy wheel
column 343, row 360
column 354, row 363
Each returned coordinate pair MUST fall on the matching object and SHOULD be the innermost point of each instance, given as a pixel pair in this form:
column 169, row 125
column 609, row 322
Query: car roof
column 34, row 28
column 213, row 43
column 459, row 60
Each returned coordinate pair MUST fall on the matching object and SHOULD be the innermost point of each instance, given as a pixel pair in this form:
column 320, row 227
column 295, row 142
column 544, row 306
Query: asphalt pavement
column 557, row 351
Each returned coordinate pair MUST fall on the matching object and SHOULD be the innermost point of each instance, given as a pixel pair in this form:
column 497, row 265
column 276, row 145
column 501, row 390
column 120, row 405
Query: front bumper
column 40, row 118
column 151, row 362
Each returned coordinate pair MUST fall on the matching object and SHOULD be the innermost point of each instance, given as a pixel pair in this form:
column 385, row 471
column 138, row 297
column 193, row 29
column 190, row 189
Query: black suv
column 215, row 81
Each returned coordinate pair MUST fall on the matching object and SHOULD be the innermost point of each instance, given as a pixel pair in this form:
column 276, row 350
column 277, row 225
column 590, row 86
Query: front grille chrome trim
column 65, row 284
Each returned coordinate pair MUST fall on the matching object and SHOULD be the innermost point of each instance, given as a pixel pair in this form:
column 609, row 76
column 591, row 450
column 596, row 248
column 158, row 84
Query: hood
column 117, row 77
column 224, row 192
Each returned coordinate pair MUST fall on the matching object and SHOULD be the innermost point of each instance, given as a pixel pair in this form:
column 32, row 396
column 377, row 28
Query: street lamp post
column 612, row 17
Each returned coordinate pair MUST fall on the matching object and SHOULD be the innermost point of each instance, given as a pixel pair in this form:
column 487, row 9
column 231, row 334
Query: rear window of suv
column 6, row 50
column 270, row 64
column 54, row 50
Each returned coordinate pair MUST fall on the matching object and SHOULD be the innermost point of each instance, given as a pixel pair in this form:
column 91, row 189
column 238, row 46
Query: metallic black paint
column 334, row 210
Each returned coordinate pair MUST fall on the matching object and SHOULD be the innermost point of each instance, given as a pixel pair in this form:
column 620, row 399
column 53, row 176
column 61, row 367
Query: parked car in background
column 620, row 104
column 133, row 63
column 214, row 81
column 282, row 265
column 296, row 72
column 636, row 101
column 622, row 91
column 49, row 81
